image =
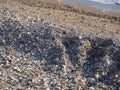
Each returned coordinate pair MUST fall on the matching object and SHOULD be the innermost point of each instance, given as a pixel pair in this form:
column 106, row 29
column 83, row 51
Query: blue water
column 105, row 5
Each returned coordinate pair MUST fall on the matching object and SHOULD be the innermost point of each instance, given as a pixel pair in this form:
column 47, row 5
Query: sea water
column 106, row 1
column 105, row 5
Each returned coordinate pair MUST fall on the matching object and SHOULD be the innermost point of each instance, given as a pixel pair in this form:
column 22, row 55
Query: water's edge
column 105, row 7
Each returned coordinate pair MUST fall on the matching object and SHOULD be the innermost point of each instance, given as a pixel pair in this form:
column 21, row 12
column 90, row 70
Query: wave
column 107, row 1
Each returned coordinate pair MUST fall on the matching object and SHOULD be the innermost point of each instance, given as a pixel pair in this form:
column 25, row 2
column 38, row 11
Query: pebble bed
column 43, row 57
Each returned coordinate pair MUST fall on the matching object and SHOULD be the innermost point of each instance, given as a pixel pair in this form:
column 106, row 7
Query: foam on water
column 103, row 1
column 107, row 1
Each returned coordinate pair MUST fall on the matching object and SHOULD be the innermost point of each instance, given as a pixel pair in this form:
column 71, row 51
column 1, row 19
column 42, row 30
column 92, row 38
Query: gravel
column 43, row 57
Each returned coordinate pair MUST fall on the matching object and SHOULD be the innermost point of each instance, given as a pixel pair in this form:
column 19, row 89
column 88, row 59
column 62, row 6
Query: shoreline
column 93, row 11
column 56, row 5
column 104, row 7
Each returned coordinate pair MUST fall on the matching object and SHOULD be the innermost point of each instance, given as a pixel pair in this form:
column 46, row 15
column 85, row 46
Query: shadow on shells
column 38, row 42
column 103, row 62
column 101, row 56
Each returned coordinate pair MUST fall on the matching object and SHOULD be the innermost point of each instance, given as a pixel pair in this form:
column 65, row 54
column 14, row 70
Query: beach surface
column 51, row 45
